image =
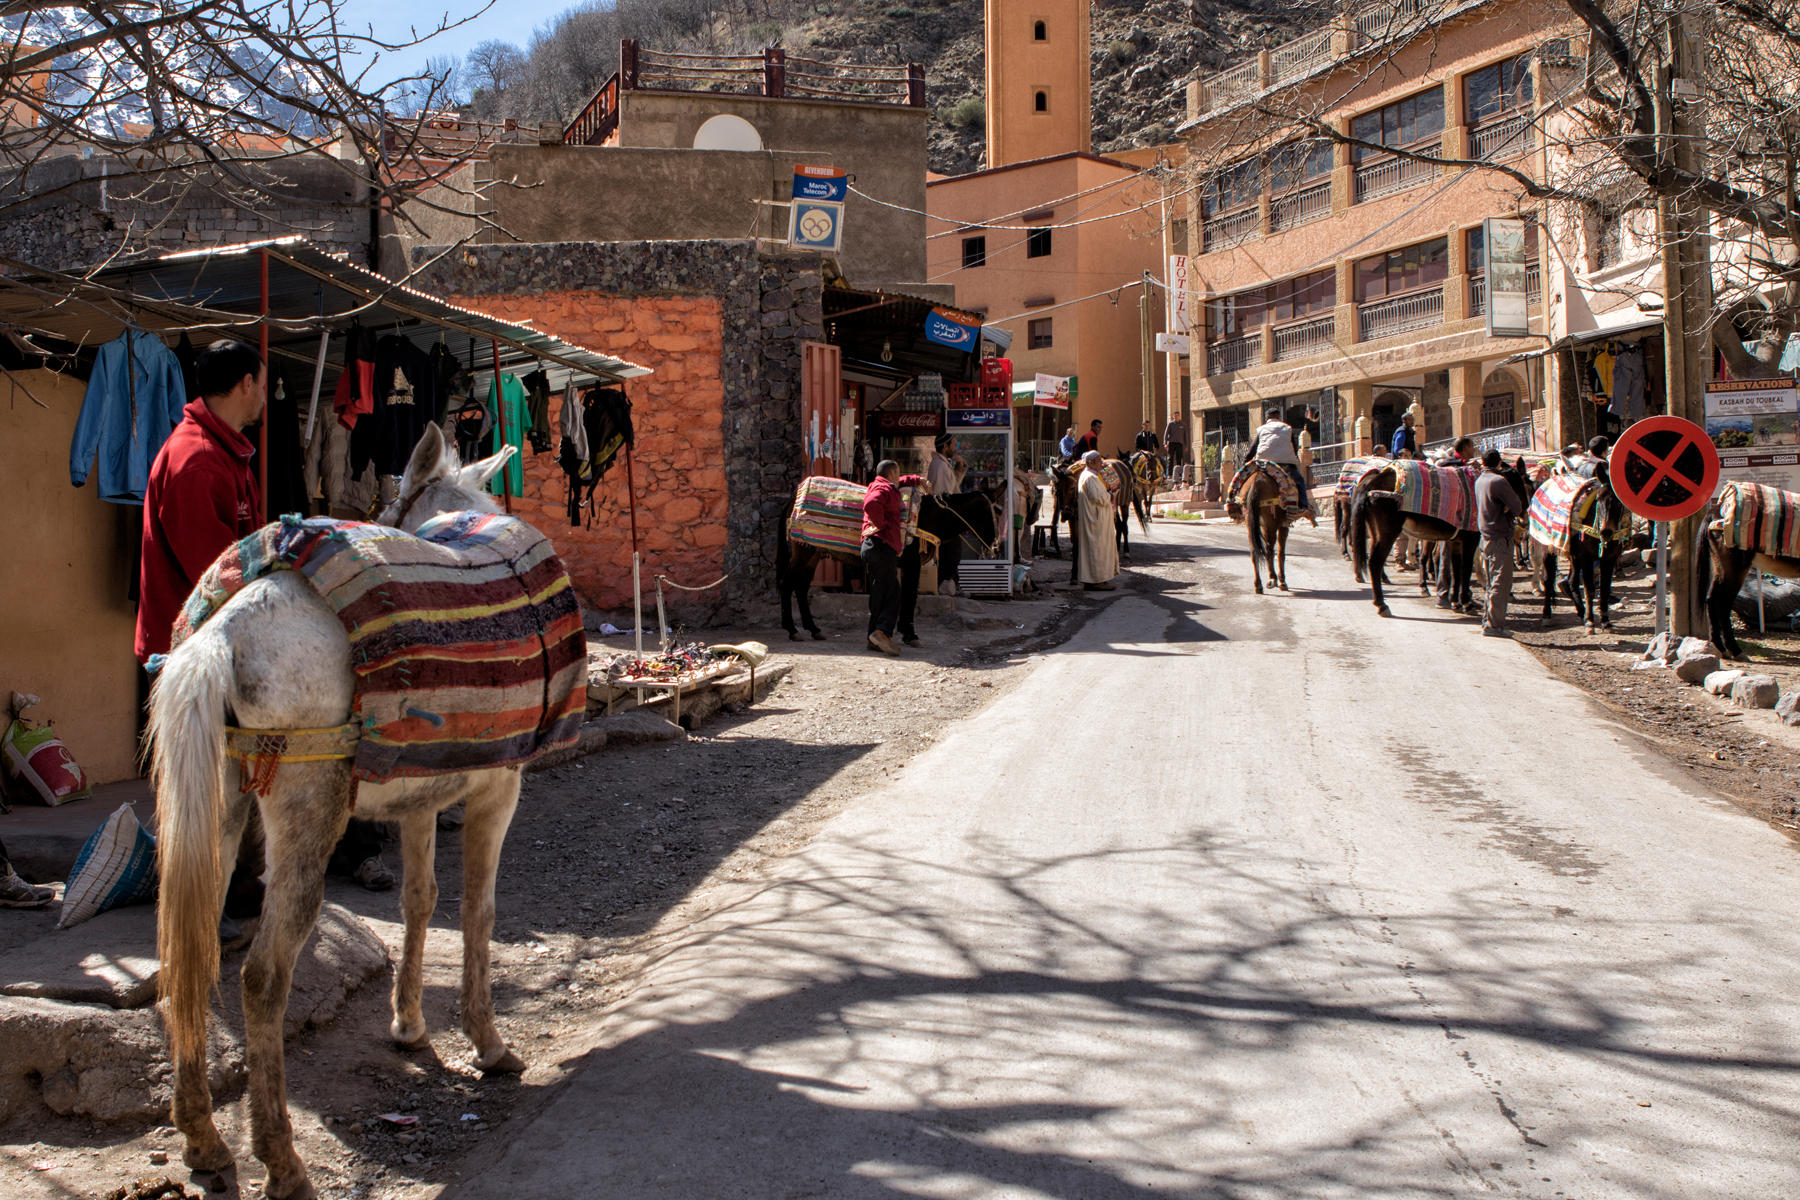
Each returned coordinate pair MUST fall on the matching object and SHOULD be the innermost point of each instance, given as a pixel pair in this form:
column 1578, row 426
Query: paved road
column 1233, row 897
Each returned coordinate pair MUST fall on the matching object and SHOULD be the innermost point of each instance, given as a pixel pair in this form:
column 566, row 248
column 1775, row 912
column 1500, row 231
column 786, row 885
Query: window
column 1296, row 165
column 1497, row 409
column 1038, row 335
column 1041, row 102
column 1038, row 33
column 1400, row 271
column 1302, row 296
column 1405, row 123
column 1037, row 243
column 1495, row 90
column 974, row 252
column 1237, row 314
column 1233, row 188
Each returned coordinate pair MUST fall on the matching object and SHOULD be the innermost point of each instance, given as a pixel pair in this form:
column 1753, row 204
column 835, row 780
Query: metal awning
column 218, row 292
column 1581, row 339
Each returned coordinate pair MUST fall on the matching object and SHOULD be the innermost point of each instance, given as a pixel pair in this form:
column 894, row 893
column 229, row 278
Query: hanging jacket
column 134, row 399
column 403, row 406
column 509, row 430
column 355, row 395
column 603, row 418
column 537, row 392
column 201, row 497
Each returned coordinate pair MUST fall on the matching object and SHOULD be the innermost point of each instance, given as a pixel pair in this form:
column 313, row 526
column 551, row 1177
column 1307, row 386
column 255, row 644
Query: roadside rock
column 1661, row 648
column 1693, row 647
column 1719, row 683
column 1696, row 668
column 1788, row 708
column 1755, row 691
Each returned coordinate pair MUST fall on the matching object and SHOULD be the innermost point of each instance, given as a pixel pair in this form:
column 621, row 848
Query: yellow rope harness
column 262, row 751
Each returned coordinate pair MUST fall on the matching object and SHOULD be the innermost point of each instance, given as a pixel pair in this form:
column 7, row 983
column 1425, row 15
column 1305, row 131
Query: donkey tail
column 1359, row 533
column 186, row 737
column 1140, row 500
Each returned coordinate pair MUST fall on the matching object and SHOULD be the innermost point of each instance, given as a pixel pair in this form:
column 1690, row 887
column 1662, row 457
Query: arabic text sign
column 951, row 329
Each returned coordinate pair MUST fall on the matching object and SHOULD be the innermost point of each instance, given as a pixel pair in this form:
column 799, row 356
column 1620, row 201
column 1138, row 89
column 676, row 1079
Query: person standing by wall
column 884, row 537
column 1497, row 510
column 1175, row 442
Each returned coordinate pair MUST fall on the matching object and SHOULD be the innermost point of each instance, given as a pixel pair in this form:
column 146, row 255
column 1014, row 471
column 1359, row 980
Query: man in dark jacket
column 1147, row 439
column 884, row 537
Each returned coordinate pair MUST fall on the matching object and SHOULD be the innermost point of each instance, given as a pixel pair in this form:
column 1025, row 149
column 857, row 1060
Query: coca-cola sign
column 908, row 422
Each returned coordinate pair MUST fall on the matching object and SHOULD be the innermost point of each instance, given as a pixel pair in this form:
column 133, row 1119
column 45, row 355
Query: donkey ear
column 426, row 465
column 476, row 474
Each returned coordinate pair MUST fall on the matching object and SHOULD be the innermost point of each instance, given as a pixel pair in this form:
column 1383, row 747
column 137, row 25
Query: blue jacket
column 135, row 375
column 1405, row 438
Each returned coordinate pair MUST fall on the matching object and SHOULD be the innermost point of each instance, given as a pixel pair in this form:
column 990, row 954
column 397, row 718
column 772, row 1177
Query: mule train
column 274, row 659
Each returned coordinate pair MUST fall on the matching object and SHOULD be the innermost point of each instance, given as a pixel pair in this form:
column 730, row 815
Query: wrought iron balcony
column 1400, row 314
column 1301, row 338
column 1390, row 175
column 1234, row 354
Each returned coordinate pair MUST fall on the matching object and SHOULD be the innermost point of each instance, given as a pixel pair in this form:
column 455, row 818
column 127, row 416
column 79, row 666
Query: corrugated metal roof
column 218, row 291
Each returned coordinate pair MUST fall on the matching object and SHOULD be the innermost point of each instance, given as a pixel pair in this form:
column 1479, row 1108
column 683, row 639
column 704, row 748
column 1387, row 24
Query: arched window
column 1042, row 103
column 1038, row 33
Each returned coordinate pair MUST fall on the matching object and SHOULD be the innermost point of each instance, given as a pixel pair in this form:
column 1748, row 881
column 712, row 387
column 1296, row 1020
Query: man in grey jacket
column 1497, row 510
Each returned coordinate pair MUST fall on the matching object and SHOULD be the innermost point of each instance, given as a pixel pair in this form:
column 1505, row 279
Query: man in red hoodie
column 884, row 537
column 202, row 495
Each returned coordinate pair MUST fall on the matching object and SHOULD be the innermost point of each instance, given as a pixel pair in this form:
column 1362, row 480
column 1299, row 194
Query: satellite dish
column 726, row 132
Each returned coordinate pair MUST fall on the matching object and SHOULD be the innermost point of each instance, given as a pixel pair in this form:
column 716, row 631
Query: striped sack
column 828, row 515
column 1562, row 502
column 1290, row 491
column 1353, row 471
column 1446, row 494
column 1759, row 518
column 466, row 638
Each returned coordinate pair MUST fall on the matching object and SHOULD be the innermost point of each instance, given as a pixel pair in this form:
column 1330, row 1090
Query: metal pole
column 662, row 622
column 1762, row 624
column 631, row 497
column 1145, row 341
column 500, row 421
column 262, row 428
column 1662, row 581
column 637, row 603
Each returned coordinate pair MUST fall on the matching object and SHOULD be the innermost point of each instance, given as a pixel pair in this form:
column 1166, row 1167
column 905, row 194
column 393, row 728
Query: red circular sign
column 1664, row 468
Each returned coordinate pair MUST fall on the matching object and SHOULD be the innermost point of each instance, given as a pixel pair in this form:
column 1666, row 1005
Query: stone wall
column 718, row 454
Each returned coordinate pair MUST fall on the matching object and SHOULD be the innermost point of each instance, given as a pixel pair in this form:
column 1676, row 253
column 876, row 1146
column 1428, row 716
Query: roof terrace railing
column 1310, row 52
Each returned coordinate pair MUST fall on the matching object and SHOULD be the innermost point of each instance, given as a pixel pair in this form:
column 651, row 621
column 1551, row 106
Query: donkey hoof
column 213, row 1156
column 1383, row 610
column 301, row 1189
column 817, row 636
column 504, row 1062
column 409, row 1037
column 793, row 636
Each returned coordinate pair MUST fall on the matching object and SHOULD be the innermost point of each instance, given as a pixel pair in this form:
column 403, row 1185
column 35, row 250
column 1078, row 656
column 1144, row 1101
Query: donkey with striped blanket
column 338, row 693
column 1752, row 525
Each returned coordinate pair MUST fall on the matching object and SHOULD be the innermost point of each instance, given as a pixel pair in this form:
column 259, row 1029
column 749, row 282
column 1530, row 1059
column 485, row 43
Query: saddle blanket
column 828, row 514
column 1562, row 502
column 1291, row 497
column 1352, row 472
column 1444, row 493
column 1759, row 518
column 466, row 638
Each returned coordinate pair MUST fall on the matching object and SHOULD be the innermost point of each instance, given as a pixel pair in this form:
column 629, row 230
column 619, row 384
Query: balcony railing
column 1301, row 56
column 1390, row 175
column 1234, row 354
column 1231, row 229
column 1478, row 290
column 1386, row 20
column 1400, row 314
column 1500, row 140
column 1304, row 337
column 1297, row 208
column 1233, row 84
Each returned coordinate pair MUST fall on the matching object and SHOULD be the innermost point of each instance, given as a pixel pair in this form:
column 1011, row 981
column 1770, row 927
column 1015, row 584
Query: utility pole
column 1146, row 342
column 1687, row 294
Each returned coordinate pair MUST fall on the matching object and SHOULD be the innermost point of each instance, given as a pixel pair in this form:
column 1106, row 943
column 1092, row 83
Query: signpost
column 821, row 183
column 1503, row 244
column 1755, row 424
column 1664, row 469
column 816, row 225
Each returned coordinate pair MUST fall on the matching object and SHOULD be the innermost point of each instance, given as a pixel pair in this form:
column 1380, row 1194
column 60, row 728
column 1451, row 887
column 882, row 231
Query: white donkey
column 275, row 657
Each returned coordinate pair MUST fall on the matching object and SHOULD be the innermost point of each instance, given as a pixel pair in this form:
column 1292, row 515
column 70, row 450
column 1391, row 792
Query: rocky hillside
column 1141, row 51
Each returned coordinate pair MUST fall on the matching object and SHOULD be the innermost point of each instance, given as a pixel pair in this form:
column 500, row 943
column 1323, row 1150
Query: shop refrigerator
column 984, row 438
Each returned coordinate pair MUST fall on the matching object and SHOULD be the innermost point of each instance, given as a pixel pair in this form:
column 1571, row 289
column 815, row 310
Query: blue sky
column 508, row 21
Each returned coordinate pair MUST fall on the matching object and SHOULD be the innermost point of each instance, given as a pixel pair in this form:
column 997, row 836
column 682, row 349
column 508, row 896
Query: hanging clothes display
column 605, row 430
column 449, row 382
column 537, row 394
column 1630, row 380
column 403, row 406
column 355, row 395
column 287, row 485
column 509, row 430
column 1603, row 371
column 134, row 400
column 468, row 424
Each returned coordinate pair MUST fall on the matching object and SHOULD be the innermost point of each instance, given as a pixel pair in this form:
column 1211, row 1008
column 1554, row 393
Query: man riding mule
column 1275, row 444
column 320, row 666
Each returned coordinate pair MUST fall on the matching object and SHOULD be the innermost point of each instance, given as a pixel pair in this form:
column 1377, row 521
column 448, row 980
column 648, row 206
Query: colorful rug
column 1759, row 518
column 827, row 514
column 1444, row 493
column 1291, row 497
column 1353, row 471
column 1563, row 502
column 466, row 638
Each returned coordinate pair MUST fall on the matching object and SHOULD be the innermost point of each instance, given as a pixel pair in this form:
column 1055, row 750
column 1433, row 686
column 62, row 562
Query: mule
column 1267, row 516
column 947, row 518
column 1377, row 521
column 1594, row 551
column 275, row 657
column 1130, row 499
column 1725, row 566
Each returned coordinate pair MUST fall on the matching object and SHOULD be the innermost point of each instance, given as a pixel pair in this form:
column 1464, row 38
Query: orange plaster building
column 1050, row 241
column 1351, row 279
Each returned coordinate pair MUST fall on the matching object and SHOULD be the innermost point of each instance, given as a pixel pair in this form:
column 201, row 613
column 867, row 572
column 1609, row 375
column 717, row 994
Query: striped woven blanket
column 1353, row 470
column 1563, row 501
column 466, row 638
column 1445, row 493
column 1759, row 518
column 828, row 514
column 1291, row 498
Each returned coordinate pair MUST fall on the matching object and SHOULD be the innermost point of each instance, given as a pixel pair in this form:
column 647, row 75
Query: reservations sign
column 1754, row 424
